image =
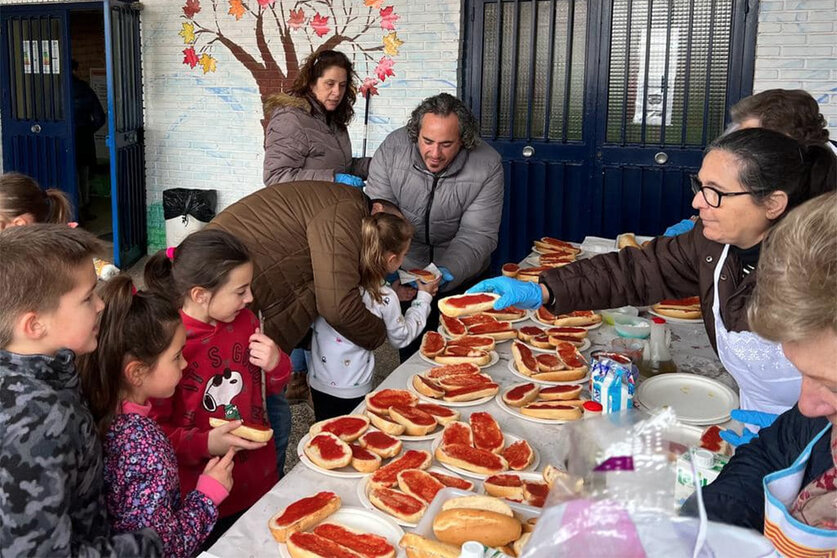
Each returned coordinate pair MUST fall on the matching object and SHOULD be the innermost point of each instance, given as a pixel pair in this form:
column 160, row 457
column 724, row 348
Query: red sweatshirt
column 219, row 374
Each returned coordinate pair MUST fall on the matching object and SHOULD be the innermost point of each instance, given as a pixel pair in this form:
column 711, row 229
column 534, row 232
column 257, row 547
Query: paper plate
column 495, row 358
column 444, row 403
column 363, row 488
column 362, row 520
column 671, row 320
column 347, row 472
column 513, row 369
column 509, row 438
column 695, row 399
column 403, row 437
column 515, row 412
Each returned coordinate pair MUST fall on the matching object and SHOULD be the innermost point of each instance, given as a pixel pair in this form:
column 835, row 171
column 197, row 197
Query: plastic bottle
column 656, row 357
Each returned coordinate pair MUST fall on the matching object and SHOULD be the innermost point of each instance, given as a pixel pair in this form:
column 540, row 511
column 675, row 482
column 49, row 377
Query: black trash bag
column 187, row 210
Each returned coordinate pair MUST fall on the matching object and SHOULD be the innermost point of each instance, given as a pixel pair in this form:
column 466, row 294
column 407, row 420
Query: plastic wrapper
column 186, row 211
column 616, row 496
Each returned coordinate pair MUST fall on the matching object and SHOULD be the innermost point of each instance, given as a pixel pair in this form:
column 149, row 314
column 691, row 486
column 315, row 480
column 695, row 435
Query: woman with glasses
column 748, row 181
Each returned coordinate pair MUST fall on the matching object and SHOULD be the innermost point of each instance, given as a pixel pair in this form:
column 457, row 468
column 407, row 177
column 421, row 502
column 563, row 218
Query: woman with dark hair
column 748, row 182
column 306, row 138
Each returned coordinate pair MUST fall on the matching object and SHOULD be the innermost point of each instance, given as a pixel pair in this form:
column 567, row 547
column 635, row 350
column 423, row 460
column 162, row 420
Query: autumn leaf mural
column 285, row 34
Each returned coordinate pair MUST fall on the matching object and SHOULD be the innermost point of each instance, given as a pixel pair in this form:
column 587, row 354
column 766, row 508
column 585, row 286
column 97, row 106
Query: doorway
column 87, row 51
column 41, row 121
column 601, row 109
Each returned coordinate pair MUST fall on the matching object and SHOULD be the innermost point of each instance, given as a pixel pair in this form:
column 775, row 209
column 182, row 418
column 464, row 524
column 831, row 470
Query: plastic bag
column 617, row 498
column 186, row 211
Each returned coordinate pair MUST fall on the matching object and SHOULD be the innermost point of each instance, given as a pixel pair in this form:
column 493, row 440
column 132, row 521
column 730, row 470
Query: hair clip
column 133, row 290
column 170, row 253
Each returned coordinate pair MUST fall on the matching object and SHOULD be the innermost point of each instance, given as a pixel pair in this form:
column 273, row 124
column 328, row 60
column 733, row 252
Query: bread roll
column 302, row 514
column 248, row 431
column 467, row 304
column 557, row 410
column 415, row 421
column 627, row 240
column 309, row 545
column 366, row 544
column 397, row 504
column 384, row 424
column 416, row 546
column 381, row 444
column 472, row 393
column 456, row 526
column 364, row 460
column 479, row 502
column 426, row 386
column 347, row 427
column 327, row 451
column 471, row 459
column 504, row 486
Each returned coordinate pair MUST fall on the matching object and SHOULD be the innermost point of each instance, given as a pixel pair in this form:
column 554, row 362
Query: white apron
column 791, row 537
column 767, row 381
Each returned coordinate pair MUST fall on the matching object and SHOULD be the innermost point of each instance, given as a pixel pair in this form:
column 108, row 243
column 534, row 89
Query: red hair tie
column 170, row 253
column 133, row 290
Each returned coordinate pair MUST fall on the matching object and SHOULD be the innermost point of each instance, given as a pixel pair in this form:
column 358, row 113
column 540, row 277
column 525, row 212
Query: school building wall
column 203, row 123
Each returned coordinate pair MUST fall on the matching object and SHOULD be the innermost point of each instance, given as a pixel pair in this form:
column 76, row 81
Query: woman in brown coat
column 306, row 137
column 748, row 181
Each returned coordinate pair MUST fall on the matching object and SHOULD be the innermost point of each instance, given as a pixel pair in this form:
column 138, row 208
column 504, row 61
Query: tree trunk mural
column 315, row 24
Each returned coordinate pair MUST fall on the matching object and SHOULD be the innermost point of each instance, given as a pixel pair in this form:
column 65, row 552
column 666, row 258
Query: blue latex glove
column 349, row 180
column 523, row 294
column 447, row 276
column 683, row 226
column 757, row 418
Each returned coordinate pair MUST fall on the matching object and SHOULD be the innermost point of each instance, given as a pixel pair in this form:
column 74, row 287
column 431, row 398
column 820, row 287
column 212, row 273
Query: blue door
column 602, row 108
column 37, row 104
column 125, row 131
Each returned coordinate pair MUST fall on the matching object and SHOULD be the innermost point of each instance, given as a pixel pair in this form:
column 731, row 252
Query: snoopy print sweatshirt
column 218, row 382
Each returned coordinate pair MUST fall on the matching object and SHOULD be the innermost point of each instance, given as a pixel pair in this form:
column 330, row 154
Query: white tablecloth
column 250, row 536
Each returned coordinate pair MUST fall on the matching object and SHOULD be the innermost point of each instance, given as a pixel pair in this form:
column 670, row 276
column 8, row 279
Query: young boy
column 51, row 497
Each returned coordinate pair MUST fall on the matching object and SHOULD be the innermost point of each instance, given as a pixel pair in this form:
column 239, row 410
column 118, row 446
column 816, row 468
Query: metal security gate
column 601, row 109
column 37, row 103
column 125, row 130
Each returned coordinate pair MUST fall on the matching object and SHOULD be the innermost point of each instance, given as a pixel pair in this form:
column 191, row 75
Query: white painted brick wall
column 797, row 49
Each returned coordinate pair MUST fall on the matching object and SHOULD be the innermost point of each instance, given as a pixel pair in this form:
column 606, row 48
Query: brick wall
column 797, row 48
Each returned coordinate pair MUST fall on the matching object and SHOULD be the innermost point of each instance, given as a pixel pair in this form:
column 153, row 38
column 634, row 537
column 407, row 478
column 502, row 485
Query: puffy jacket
column 737, row 495
column 300, row 144
column 670, row 267
column 304, row 238
column 456, row 212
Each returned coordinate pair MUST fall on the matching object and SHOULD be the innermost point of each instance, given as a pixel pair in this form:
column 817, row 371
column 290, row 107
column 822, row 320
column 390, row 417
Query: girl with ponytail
column 139, row 357
column 23, row 202
column 340, row 373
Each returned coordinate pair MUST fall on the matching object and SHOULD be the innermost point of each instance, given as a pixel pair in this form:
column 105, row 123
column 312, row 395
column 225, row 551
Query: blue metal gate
column 37, row 102
column 601, row 109
column 125, row 130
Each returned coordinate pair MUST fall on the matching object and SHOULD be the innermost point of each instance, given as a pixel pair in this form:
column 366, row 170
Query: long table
column 250, row 536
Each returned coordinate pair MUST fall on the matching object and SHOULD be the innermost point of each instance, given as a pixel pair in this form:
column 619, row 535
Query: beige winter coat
column 301, row 145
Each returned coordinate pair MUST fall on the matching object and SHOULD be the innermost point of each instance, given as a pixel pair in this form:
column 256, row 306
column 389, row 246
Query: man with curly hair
column 449, row 185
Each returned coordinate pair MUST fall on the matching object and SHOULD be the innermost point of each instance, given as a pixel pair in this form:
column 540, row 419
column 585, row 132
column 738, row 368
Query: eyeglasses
column 713, row 196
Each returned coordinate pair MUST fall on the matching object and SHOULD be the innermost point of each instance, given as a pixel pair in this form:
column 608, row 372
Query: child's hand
column 431, row 288
column 221, row 439
column 263, row 351
column 405, row 293
column 220, row 469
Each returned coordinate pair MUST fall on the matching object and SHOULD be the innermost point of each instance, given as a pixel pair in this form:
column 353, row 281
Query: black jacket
column 737, row 495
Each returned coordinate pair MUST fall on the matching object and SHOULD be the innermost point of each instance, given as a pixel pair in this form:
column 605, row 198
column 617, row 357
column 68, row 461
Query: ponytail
column 132, row 326
column 821, row 175
column 381, row 234
column 204, row 259
column 20, row 194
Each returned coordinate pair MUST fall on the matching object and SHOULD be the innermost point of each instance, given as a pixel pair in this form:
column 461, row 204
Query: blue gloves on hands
column 523, row 294
column 349, row 180
column 447, row 276
column 683, row 226
column 756, row 418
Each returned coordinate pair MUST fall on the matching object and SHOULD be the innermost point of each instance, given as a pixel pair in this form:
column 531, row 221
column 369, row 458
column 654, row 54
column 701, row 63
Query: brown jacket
column 670, row 267
column 304, row 238
column 301, row 145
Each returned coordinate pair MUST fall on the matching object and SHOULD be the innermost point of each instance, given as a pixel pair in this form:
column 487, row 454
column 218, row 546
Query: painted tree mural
column 301, row 27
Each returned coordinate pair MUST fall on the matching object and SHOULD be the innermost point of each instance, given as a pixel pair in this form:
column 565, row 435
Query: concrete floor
column 302, row 415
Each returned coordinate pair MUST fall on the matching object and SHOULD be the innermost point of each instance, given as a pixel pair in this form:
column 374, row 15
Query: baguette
column 578, row 319
column 520, row 395
column 452, row 326
column 456, row 526
column 248, row 431
column 327, row 451
column 381, row 444
column 367, row 544
column 555, row 410
column 478, row 502
column 397, row 504
column 364, row 460
column 527, row 333
column 487, row 433
column 674, row 312
column 557, row 393
column 541, row 341
column 443, row 415
column 471, row 459
column 523, row 359
column 457, row 433
column 426, row 386
column 419, row 484
column 506, row 485
column 467, row 304
column 452, row 481
column 380, row 401
column 570, row 375
column 415, row 421
column 384, row 424
column 481, row 342
column 387, row 475
column 416, row 546
column 302, row 514
column 463, row 355
column 471, row 393
column 519, row 455
column 432, row 343
column 347, row 427
column 309, row 545
column 507, row 314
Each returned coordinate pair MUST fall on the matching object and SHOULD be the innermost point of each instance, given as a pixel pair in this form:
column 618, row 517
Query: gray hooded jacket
column 456, row 212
